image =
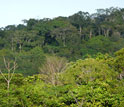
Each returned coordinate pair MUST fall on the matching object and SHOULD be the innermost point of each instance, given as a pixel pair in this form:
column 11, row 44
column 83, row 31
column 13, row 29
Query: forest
column 74, row 61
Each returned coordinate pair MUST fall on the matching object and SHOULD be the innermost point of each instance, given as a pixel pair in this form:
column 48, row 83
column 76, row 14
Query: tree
column 10, row 67
column 30, row 61
column 100, row 44
column 80, row 20
column 119, row 62
column 23, row 38
column 84, row 71
column 66, row 35
column 52, row 68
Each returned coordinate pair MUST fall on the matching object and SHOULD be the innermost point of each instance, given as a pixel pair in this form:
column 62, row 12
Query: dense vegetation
column 75, row 61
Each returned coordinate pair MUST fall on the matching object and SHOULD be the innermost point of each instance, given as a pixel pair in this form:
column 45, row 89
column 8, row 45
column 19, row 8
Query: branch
column 5, row 62
column 82, row 101
column 74, row 98
column 14, row 67
column 3, row 75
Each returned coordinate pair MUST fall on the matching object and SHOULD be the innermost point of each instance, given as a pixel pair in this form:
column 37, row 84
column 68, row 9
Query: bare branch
column 3, row 75
column 53, row 66
column 5, row 63
column 14, row 67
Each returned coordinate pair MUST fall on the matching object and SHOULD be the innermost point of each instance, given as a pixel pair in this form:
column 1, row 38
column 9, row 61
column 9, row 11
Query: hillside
column 74, row 61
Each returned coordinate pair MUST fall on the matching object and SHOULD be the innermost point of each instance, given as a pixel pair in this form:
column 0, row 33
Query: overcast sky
column 14, row 11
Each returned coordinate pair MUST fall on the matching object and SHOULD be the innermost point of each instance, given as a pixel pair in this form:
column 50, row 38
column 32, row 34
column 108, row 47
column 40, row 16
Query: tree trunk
column 8, row 85
column 90, row 34
column 107, row 32
column 80, row 30
column 53, row 79
column 12, row 45
column 120, row 76
column 20, row 47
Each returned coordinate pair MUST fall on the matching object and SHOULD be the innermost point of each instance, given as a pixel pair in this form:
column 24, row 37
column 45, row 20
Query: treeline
column 92, row 82
column 72, row 37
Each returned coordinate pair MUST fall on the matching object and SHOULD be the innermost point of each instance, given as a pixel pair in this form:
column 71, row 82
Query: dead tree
column 10, row 67
column 52, row 68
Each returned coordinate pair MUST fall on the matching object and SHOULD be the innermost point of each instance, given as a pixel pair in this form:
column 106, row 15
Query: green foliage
column 89, row 82
column 95, row 79
column 100, row 44
column 119, row 61
column 72, row 37
column 29, row 62
column 8, row 55
column 15, row 93
column 84, row 71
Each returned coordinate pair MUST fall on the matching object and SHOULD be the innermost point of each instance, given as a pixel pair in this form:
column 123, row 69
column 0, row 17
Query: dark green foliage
column 29, row 62
column 95, row 79
column 72, row 37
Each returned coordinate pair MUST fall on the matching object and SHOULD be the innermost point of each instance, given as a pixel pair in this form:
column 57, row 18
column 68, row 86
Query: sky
column 12, row 12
